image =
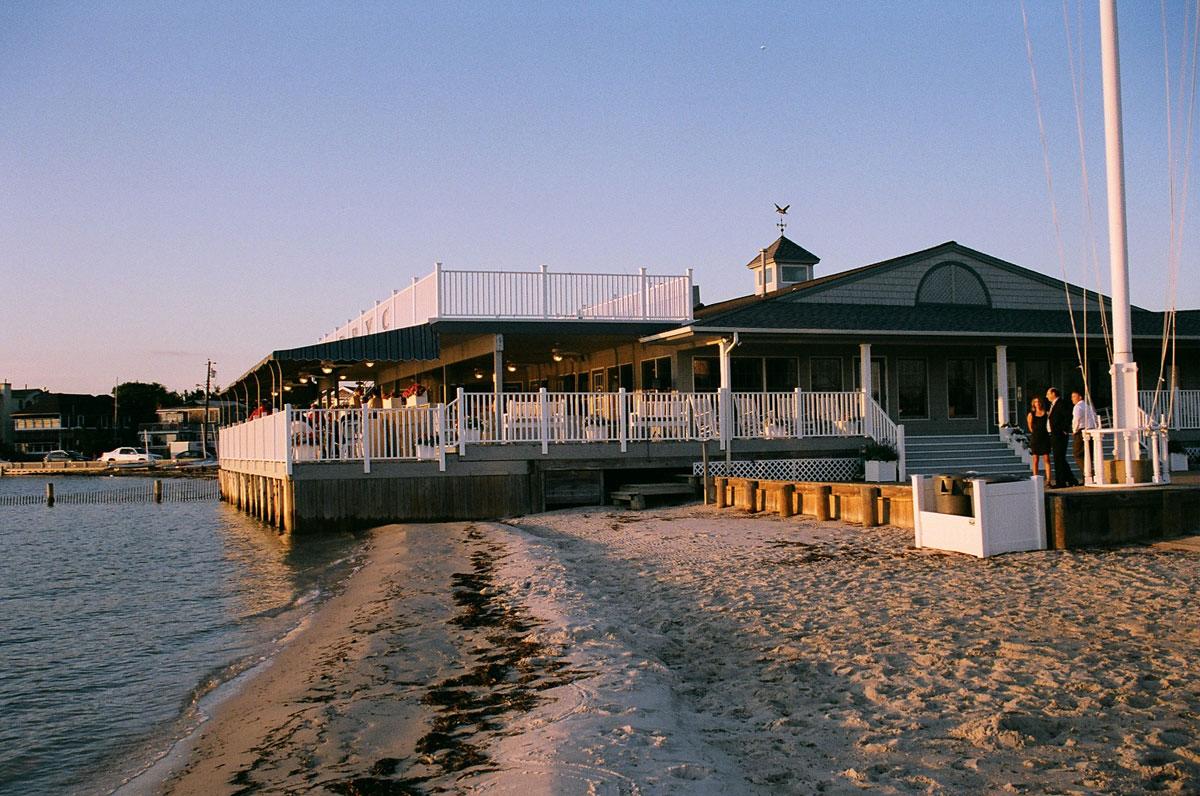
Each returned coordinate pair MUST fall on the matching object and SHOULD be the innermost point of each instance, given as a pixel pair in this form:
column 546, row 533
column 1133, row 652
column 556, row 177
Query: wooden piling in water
column 158, row 491
column 49, row 494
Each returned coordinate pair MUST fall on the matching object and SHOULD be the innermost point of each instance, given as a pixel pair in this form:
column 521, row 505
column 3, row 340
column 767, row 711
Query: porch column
column 498, row 384
column 1001, row 385
column 864, row 380
column 725, row 396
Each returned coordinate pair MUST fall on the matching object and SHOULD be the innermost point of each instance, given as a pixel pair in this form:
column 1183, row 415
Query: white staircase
column 981, row 453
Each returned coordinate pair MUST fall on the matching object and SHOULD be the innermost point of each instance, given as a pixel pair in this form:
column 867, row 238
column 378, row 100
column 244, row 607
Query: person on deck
column 259, row 411
column 1082, row 417
column 1058, row 423
column 1039, row 436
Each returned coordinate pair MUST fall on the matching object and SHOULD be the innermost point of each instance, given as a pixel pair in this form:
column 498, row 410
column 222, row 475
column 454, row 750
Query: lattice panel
column 1193, row 455
column 830, row 469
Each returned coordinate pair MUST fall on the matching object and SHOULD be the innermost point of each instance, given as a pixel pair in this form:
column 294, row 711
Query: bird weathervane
column 782, row 211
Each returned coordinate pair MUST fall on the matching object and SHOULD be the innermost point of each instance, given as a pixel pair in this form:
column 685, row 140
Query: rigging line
column 1075, row 61
column 1037, row 104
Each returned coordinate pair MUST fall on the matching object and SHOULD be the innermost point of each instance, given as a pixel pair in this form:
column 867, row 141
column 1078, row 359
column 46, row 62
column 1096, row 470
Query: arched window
column 953, row 283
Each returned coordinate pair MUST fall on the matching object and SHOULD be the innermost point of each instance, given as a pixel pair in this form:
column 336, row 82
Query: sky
column 183, row 181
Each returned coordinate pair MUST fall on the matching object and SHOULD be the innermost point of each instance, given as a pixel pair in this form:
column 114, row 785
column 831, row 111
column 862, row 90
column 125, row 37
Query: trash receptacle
column 953, row 494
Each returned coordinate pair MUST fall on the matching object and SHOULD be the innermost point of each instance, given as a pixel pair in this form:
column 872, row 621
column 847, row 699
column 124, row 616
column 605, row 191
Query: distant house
column 67, row 421
column 13, row 401
column 178, row 428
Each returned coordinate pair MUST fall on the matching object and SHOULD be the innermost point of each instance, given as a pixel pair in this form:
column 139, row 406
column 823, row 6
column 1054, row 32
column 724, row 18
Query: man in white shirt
column 1082, row 417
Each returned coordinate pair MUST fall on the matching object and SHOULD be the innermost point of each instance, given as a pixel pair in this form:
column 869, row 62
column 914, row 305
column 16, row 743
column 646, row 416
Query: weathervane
column 782, row 211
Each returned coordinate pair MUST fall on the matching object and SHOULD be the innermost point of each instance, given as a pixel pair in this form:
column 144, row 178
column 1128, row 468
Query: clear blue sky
column 183, row 180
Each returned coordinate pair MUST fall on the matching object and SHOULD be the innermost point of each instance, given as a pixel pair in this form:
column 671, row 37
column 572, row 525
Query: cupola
column 781, row 264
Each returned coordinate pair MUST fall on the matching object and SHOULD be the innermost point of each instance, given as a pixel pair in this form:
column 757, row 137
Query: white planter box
column 881, row 472
column 427, row 452
column 417, row 400
column 595, row 433
column 1009, row 517
column 1179, row 462
column 469, row 435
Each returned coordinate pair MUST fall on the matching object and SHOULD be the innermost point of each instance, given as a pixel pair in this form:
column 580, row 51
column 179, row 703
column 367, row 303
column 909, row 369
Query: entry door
column 1014, row 391
column 1036, row 378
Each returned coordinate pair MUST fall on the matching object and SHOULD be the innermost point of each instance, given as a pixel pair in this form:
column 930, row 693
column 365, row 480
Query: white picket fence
column 541, row 294
column 549, row 418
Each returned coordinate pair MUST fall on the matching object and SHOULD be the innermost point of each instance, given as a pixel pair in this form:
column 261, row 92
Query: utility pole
column 208, row 374
column 116, row 433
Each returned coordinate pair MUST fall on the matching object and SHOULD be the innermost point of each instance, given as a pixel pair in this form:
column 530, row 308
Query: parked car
column 193, row 456
column 64, row 456
column 128, row 455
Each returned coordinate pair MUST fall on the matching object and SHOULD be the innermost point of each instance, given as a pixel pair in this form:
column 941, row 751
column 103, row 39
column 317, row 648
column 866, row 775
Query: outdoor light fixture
column 303, row 378
column 512, row 368
column 557, row 357
column 287, row 388
column 370, row 364
column 478, row 373
column 327, row 368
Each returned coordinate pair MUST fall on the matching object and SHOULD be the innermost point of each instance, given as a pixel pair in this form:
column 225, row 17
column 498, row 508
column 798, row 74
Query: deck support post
column 623, row 419
column 864, row 381
column 821, row 501
column 498, row 384
column 1001, row 386
column 868, row 511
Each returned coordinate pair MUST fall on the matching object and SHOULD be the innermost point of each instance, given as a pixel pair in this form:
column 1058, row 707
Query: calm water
column 116, row 619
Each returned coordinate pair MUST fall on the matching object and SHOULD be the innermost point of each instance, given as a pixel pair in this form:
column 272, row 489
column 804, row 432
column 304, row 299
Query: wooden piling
column 158, row 491
column 869, row 508
column 49, row 494
column 784, row 499
column 822, row 502
column 722, row 487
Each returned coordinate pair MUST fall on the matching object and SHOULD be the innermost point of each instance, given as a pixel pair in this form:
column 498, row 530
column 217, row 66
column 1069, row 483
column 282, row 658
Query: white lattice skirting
column 847, row 469
column 1193, row 455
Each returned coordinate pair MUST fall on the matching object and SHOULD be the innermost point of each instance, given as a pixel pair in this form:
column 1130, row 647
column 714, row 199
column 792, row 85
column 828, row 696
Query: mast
column 1124, row 369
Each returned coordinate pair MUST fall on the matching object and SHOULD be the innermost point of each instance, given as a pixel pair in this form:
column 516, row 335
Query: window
column 826, row 375
column 566, row 384
column 656, row 373
column 614, row 379
column 878, row 379
column 598, row 380
column 706, row 374
column 913, row 389
column 960, row 388
column 746, row 374
column 952, row 283
column 782, row 374
column 792, row 273
column 770, row 274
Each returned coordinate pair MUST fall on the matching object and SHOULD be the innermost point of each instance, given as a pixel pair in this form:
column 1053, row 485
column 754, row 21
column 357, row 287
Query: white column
column 498, row 383
column 1001, row 385
column 864, row 381
column 1124, row 369
column 724, row 396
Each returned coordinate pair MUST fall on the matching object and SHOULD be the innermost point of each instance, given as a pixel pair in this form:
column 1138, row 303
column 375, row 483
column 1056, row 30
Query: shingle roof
column 786, row 252
column 55, row 403
column 927, row 319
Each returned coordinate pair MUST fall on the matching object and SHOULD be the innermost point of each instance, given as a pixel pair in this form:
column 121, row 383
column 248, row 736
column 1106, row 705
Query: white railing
column 526, row 295
column 1126, row 446
column 425, row 432
column 263, row 439
column 1182, row 407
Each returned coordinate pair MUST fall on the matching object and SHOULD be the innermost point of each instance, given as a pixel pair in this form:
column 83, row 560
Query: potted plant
column 470, row 430
column 415, row 394
column 1179, row 457
column 880, row 462
column 595, row 428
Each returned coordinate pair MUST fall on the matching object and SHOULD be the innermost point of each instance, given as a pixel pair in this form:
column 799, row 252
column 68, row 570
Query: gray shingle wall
column 898, row 287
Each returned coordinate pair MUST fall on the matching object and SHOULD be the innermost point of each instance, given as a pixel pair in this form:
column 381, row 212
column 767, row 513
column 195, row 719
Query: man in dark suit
column 1059, row 423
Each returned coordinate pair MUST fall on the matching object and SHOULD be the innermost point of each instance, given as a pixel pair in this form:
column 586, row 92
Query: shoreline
column 685, row 651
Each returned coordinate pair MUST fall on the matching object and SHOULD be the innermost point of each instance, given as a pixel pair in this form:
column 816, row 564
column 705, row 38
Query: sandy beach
column 689, row 651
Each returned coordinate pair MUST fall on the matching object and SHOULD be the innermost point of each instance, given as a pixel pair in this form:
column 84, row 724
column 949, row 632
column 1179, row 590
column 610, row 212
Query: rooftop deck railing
column 550, row 418
column 526, row 295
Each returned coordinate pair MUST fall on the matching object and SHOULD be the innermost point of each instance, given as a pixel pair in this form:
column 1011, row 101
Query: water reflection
column 112, row 617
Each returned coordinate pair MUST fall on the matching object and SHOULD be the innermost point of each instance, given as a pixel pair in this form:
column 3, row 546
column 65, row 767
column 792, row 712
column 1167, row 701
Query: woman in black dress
column 1039, row 435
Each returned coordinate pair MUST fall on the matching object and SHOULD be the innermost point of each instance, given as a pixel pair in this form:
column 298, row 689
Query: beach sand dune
column 690, row 651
